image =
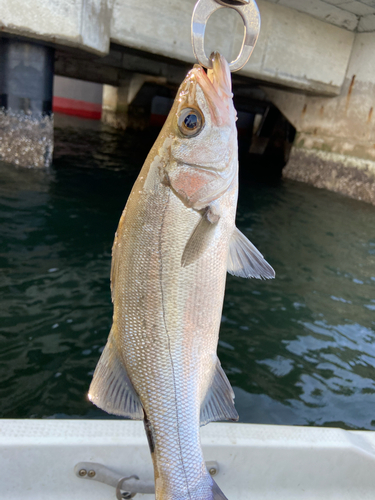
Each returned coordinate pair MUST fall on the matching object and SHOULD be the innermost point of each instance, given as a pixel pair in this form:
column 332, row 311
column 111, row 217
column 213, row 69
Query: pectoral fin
column 218, row 403
column 245, row 260
column 200, row 238
column 111, row 389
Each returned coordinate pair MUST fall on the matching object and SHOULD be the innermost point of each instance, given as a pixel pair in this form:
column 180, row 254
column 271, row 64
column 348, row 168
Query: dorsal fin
column 218, row 403
column 111, row 389
column 245, row 260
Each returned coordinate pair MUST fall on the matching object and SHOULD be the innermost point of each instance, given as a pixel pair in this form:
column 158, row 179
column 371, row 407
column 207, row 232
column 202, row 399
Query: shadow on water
column 298, row 349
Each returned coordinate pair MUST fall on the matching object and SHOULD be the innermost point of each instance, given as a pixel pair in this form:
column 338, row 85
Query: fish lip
column 216, row 86
column 219, row 103
column 217, row 80
column 220, row 74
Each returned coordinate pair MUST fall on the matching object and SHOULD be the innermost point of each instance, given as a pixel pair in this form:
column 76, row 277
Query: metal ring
column 119, row 495
column 251, row 19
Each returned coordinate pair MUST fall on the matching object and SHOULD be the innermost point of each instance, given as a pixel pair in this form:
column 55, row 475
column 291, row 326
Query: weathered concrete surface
column 117, row 109
column 115, row 67
column 26, row 140
column 343, row 126
column 116, row 100
column 329, row 11
column 26, row 76
column 77, row 89
column 353, row 15
column 346, row 175
column 26, row 81
column 311, row 46
column 75, row 23
column 291, row 49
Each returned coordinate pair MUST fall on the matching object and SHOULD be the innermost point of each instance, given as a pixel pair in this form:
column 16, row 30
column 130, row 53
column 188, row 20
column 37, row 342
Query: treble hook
column 249, row 12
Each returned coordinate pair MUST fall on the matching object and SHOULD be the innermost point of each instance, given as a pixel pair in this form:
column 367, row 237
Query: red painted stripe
column 92, row 115
column 74, row 107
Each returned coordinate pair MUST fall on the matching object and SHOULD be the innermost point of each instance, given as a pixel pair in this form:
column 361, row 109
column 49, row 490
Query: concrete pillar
column 26, row 123
column 116, row 100
column 335, row 142
column 118, row 109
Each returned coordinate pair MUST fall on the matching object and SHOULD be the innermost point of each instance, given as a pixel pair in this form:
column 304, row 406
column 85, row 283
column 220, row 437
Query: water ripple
column 299, row 349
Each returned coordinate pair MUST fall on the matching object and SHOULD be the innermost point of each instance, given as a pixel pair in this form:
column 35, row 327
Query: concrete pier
column 314, row 61
column 128, row 105
column 117, row 100
column 335, row 142
column 26, row 124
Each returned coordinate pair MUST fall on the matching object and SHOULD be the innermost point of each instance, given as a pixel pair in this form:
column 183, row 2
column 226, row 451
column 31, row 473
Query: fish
column 174, row 245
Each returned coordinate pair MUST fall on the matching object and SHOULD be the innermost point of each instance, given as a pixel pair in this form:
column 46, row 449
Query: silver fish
column 175, row 242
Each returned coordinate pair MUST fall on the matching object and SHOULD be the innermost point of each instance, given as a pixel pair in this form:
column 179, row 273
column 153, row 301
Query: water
column 298, row 350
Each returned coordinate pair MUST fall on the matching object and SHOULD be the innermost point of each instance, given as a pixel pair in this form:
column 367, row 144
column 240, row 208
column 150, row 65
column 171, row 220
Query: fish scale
column 183, row 403
column 175, row 242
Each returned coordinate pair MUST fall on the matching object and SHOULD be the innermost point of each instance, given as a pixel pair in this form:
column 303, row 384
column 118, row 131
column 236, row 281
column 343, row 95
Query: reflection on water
column 298, row 349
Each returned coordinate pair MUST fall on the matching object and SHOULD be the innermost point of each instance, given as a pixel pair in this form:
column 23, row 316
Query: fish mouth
column 220, row 76
column 216, row 85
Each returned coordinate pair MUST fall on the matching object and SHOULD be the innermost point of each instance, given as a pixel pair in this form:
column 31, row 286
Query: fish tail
column 206, row 489
column 209, row 490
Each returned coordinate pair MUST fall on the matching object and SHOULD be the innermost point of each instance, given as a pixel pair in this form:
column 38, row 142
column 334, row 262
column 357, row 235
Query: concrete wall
column 75, row 23
column 77, row 98
column 331, row 65
column 294, row 49
column 79, row 90
column 335, row 143
column 342, row 124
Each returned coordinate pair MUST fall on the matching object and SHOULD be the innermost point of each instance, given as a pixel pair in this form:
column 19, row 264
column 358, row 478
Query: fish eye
column 190, row 122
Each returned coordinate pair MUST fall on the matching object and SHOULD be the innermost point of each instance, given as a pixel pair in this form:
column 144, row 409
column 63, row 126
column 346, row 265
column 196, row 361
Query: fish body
column 175, row 242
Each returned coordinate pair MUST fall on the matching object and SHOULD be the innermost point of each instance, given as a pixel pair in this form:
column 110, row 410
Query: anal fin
column 218, row 403
column 245, row 260
column 111, row 389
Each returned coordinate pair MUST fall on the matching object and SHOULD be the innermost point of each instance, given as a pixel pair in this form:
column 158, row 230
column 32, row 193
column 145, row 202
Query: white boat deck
column 267, row 462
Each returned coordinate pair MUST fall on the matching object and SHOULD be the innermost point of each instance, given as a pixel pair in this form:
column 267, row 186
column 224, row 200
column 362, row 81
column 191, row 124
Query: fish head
column 203, row 135
column 205, row 116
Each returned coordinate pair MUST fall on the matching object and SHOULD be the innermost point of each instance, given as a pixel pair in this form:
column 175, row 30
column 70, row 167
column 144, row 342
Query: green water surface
column 298, row 349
